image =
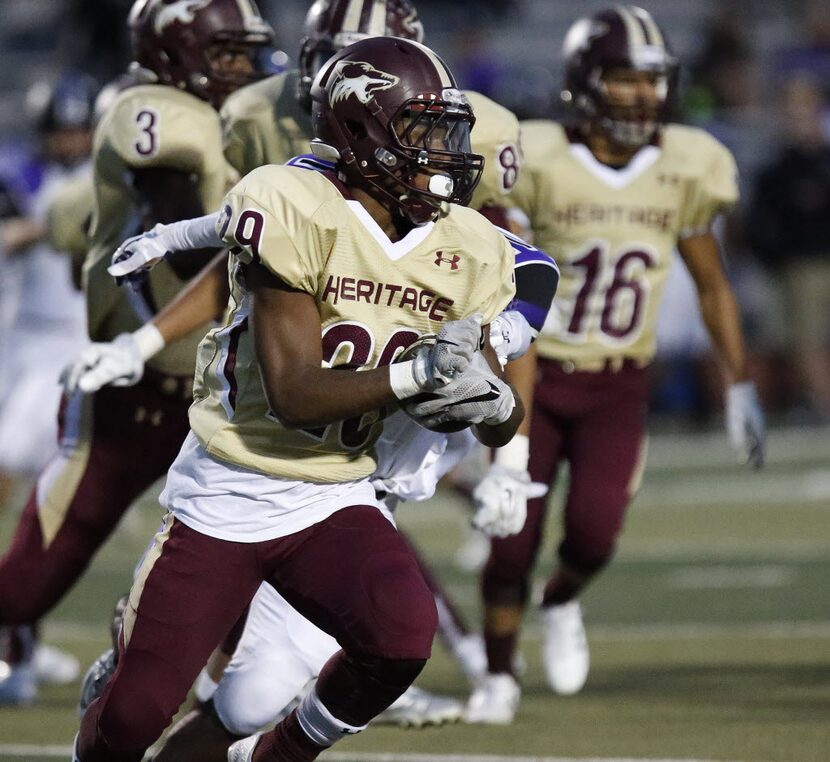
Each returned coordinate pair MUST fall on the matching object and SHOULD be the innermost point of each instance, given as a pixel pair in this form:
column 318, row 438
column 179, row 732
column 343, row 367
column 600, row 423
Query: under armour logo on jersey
column 451, row 261
column 183, row 11
column 359, row 79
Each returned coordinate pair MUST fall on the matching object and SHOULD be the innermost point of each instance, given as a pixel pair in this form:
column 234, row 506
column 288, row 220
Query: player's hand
column 500, row 500
column 138, row 254
column 745, row 423
column 437, row 364
column 510, row 335
column 115, row 363
column 476, row 396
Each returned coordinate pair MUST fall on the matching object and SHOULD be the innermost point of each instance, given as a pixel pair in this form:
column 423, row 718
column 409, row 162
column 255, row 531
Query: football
column 408, row 354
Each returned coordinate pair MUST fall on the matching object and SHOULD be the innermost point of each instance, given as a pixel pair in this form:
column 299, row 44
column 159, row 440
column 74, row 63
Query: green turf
column 710, row 633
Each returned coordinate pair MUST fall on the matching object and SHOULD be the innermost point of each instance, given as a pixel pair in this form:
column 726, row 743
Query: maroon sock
column 500, row 649
column 286, row 743
column 20, row 644
column 562, row 587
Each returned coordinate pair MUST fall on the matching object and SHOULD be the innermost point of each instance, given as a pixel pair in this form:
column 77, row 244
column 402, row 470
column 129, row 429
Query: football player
column 269, row 122
column 157, row 157
column 613, row 194
column 331, row 274
column 411, row 460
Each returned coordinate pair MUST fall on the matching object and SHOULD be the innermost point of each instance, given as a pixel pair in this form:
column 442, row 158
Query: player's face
column 232, row 61
column 433, row 131
column 634, row 96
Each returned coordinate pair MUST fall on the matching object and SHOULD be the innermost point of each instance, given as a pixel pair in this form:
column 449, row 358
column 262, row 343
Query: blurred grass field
column 710, row 633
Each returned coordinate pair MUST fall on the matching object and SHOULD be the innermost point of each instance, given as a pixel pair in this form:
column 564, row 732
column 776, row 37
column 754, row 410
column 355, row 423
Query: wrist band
column 515, row 454
column 149, row 340
column 402, row 381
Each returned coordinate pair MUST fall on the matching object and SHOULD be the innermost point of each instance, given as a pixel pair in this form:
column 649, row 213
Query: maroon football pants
column 350, row 574
column 596, row 422
column 126, row 439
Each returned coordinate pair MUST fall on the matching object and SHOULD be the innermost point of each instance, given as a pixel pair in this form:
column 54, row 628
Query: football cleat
column 18, row 686
column 416, row 708
column 96, row 678
column 53, row 666
column 494, row 701
column 565, row 648
column 75, row 757
column 243, row 751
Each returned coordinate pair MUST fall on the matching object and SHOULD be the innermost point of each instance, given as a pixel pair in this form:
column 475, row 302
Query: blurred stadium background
column 711, row 632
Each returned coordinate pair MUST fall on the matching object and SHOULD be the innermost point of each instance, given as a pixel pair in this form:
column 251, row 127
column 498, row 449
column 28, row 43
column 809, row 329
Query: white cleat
column 75, row 757
column 416, row 708
column 17, row 684
column 494, row 701
column 54, row 667
column 243, row 751
column 565, row 648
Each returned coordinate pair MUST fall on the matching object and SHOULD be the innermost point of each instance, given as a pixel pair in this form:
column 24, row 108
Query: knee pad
column 357, row 687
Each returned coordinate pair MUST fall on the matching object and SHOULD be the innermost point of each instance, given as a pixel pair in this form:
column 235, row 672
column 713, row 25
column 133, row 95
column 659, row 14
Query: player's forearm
column 521, row 374
column 192, row 234
column 721, row 316
column 500, row 434
column 19, row 233
column 203, row 299
column 319, row 396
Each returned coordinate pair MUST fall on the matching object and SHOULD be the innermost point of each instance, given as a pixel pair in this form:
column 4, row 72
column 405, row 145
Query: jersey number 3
column 147, row 143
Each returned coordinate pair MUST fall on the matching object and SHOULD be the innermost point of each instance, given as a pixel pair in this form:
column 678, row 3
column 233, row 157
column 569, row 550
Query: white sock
column 319, row 724
column 204, row 687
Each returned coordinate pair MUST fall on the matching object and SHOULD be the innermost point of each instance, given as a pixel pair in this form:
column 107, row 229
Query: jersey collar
column 394, row 250
column 616, row 178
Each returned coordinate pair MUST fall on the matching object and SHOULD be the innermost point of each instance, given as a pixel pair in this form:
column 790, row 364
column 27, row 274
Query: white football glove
column 745, row 423
column 477, row 396
column 500, row 500
column 510, row 335
column 138, row 254
column 436, row 364
column 119, row 362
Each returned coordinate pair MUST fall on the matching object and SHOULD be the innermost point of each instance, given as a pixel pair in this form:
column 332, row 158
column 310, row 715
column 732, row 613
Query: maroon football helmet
column 178, row 41
column 330, row 25
column 388, row 111
column 621, row 38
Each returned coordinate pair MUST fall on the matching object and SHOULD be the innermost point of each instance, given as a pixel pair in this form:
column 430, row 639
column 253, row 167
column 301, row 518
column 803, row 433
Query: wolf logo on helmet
column 360, row 79
column 396, row 133
column 183, row 12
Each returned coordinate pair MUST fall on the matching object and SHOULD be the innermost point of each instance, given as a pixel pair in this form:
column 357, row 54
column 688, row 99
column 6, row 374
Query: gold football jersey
column 613, row 231
column 264, row 123
column 495, row 136
column 68, row 218
column 375, row 298
column 147, row 126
